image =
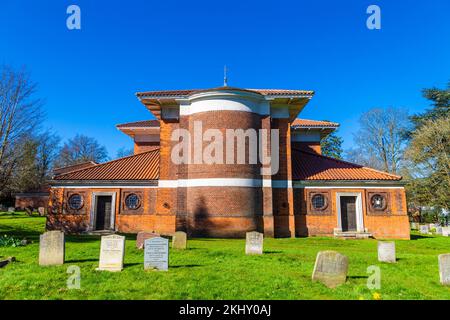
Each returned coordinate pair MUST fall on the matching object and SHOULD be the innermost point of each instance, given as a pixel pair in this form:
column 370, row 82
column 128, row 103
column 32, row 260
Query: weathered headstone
column 142, row 236
column 112, row 251
column 386, row 251
column 41, row 211
column 254, row 243
column 11, row 209
column 446, row 231
column 156, row 254
column 414, row 226
column 330, row 268
column 179, row 240
column 424, row 229
column 51, row 248
column 439, row 230
column 444, row 268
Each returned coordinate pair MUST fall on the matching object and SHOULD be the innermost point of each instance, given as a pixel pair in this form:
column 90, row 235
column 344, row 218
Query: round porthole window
column 319, row 201
column 75, row 202
column 132, row 201
column 378, row 202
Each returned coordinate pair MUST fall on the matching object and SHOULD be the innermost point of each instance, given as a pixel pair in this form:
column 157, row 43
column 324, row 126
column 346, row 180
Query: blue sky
column 88, row 77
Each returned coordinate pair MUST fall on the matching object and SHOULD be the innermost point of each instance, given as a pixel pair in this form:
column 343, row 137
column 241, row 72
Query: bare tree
column 20, row 115
column 381, row 140
column 80, row 149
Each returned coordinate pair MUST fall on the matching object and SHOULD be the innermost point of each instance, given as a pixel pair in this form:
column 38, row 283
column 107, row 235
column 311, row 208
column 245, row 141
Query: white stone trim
column 346, row 187
column 93, row 212
column 359, row 209
column 103, row 187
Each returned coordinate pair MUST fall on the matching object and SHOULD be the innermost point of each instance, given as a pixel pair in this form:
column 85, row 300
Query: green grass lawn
column 219, row 269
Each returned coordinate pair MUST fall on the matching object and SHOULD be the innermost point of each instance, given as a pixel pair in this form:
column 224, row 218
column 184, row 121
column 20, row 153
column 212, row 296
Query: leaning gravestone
column 444, row 269
column 330, row 268
column 179, row 240
column 112, row 251
column 51, row 248
column 254, row 243
column 386, row 251
column 445, row 231
column 424, row 229
column 142, row 236
column 156, row 254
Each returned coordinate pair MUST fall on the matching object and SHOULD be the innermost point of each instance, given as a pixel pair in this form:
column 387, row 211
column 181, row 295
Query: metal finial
column 225, row 78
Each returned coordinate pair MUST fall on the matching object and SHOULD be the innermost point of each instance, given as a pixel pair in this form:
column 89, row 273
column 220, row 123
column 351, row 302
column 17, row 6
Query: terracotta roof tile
column 306, row 123
column 184, row 93
column 142, row 166
column 139, row 124
column 310, row 166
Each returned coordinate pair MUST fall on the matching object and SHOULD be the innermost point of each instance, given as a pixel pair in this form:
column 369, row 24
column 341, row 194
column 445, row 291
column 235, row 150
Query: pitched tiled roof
column 140, row 124
column 184, row 93
column 142, row 166
column 74, row 167
column 310, row 166
column 306, row 123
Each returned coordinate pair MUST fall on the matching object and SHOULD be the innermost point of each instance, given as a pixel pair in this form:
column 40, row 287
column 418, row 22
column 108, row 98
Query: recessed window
column 318, row 201
column 132, row 201
column 378, row 202
column 75, row 202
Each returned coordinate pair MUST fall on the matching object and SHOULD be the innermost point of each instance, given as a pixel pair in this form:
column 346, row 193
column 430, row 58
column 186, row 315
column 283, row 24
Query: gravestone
column 112, row 251
column 142, row 236
column 439, row 230
column 330, row 268
column 414, row 226
column 41, row 211
column 445, row 231
column 156, row 254
column 444, row 269
column 424, row 229
column 51, row 248
column 11, row 209
column 179, row 240
column 254, row 243
column 386, row 251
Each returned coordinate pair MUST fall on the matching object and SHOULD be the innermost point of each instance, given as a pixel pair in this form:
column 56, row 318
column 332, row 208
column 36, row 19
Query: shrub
column 9, row 241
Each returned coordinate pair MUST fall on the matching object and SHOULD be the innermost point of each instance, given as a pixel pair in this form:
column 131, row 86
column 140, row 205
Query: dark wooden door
column 103, row 221
column 348, row 213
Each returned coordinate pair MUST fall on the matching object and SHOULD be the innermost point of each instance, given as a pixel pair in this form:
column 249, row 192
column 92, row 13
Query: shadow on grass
column 419, row 237
column 131, row 264
column 187, row 266
column 358, row 277
column 271, row 252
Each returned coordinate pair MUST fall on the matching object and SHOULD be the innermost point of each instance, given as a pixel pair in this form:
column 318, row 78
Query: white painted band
column 225, row 182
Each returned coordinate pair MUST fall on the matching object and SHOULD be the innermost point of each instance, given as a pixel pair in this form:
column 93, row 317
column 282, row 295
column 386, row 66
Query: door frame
column 358, row 207
column 93, row 214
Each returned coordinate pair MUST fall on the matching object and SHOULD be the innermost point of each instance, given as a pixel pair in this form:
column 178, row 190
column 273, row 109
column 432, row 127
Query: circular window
column 378, row 202
column 75, row 202
column 319, row 201
column 132, row 201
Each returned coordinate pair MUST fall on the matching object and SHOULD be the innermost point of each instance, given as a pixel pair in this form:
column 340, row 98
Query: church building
column 225, row 161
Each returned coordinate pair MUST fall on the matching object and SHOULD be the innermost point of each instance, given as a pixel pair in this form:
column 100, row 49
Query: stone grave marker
column 414, row 226
column 156, row 254
column 41, row 211
column 142, row 236
column 444, row 269
column 424, row 229
column 112, row 251
column 254, row 243
column 445, row 231
column 439, row 230
column 11, row 209
column 330, row 268
column 179, row 240
column 386, row 251
column 51, row 248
